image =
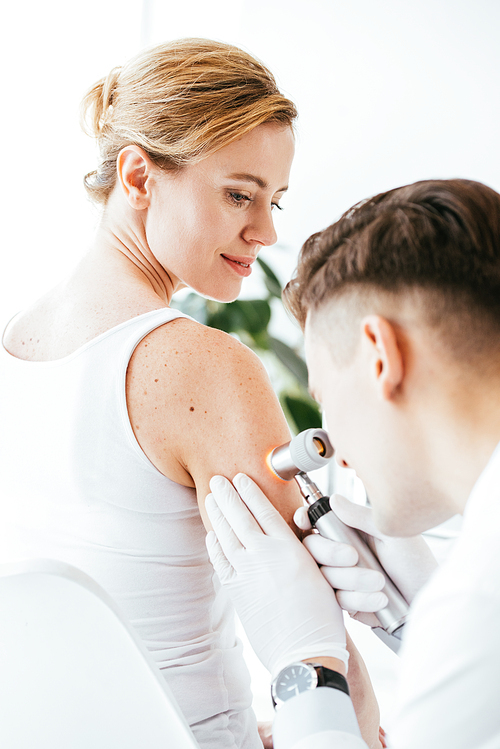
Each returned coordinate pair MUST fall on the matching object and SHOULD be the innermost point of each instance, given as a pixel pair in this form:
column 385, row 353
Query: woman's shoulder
column 189, row 344
column 186, row 368
column 191, row 390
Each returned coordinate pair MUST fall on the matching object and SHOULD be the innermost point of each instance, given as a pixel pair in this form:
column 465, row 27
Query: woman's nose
column 260, row 229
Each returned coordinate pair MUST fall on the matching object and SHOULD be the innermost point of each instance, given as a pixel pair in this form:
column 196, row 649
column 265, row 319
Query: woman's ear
column 384, row 355
column 133, row 167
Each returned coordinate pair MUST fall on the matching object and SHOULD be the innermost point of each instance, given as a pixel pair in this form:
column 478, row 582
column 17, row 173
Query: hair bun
column 97, row 101
column 109, row 88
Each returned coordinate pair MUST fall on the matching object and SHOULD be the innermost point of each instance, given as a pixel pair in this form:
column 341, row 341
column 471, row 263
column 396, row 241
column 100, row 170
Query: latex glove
column 285, row 605
column 408, row 561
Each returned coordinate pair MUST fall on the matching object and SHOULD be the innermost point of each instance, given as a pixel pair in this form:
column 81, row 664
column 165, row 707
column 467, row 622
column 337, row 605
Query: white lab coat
column 449, row 691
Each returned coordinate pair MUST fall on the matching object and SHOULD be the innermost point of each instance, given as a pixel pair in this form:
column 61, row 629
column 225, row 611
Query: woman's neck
column 121, row 246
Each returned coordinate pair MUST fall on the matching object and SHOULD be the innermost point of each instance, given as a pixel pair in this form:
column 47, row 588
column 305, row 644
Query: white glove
column 285, row 605
column 408, row 561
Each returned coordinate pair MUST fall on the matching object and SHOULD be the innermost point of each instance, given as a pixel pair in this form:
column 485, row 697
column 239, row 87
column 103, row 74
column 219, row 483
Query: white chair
column 73, row 673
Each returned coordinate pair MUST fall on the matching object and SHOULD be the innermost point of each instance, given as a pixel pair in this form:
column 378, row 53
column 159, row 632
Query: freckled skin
column 231, row 428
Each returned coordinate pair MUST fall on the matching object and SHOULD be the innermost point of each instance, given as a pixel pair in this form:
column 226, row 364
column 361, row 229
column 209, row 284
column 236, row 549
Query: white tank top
column 76, row 486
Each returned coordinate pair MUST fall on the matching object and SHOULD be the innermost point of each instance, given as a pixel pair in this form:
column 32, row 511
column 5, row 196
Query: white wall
column 51, row 52
column 388, row 92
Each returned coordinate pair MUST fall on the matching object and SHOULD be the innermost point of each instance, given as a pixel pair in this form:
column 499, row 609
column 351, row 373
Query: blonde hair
column 180, row 101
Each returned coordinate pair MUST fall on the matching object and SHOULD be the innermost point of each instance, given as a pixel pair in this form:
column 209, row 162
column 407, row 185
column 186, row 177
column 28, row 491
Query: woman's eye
column 238, row 199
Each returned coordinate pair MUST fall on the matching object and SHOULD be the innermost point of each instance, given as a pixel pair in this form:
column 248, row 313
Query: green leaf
column 260, row 340
column 271, row 280
column 221, row 317
column 290, row 359
column 256, row 314
column 249, row 315
column 304, row 412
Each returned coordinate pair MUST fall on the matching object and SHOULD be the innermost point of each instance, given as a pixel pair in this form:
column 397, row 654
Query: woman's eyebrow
column 243, row 177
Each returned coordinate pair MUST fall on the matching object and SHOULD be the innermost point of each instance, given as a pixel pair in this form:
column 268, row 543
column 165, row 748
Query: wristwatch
column 301, row 677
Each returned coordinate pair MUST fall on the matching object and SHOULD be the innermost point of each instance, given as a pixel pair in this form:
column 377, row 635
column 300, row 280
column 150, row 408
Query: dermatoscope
column 311, row 450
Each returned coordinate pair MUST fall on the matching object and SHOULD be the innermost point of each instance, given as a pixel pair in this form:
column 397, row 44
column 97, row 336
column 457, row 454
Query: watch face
column 293, row 680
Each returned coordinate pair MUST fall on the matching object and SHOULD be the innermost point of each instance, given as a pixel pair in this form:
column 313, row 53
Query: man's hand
column 408, row 561
column 285, row 605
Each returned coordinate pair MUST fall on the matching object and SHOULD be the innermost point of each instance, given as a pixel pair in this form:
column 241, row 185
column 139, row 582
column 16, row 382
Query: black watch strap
column 329, row 678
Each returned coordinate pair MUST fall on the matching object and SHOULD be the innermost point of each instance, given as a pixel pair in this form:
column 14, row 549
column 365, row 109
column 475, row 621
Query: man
column 400, row 304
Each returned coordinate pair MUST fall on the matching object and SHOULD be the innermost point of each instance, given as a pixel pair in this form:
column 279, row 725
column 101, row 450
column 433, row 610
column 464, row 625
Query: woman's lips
column 241, row 265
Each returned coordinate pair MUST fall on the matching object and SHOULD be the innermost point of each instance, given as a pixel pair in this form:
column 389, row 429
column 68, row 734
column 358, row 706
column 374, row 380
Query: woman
column 122, row 408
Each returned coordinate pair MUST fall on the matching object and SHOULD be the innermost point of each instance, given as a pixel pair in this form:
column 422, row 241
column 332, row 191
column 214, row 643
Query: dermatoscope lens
column 307, row 451
column 320, row 446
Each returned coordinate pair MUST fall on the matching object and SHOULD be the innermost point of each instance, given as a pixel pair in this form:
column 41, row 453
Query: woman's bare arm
column 201, row 404
column 363, row 697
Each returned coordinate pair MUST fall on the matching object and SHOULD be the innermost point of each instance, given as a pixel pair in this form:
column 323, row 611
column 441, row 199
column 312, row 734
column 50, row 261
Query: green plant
column 249, row 319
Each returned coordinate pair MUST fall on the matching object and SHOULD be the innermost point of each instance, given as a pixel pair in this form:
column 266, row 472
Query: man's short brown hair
column 441, row 236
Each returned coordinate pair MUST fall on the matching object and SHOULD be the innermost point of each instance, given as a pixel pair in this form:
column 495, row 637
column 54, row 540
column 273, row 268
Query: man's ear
column 133, row 167
column 385, row 356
